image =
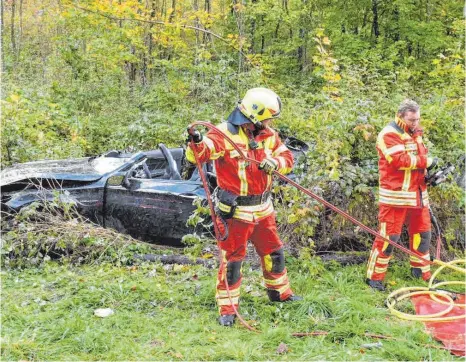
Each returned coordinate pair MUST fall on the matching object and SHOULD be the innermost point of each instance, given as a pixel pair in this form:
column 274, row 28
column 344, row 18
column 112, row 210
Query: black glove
column 194, row 135
column 433, row 164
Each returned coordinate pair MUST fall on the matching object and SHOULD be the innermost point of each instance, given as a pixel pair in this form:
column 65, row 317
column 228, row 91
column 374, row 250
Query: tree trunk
column 2, row 36
column 207, row 8
column 375, row 19
column 172, row 14
column 20, row 25
column 13, row 41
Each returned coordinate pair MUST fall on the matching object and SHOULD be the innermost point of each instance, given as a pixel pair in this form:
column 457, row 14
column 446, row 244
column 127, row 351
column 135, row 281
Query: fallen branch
column 177, row 259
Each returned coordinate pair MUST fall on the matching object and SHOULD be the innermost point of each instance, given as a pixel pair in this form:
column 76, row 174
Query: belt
column 253, row 199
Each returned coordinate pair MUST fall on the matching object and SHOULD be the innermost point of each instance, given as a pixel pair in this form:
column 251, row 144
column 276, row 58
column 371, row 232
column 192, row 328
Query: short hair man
column 403, row 198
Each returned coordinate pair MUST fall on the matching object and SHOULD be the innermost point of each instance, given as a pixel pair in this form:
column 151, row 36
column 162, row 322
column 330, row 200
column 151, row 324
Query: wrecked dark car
column 148, row 195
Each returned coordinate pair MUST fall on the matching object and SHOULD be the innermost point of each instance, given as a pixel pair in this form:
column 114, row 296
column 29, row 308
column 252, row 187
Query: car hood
column 80, row 169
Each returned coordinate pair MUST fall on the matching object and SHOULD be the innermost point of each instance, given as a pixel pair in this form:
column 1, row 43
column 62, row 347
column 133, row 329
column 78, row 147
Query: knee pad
column 278, row 261
column 233, row 271
column 424, row 244
column 388, row 248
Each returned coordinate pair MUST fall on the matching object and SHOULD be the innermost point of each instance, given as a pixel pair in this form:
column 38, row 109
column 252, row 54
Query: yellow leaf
column 392, row 282
column 207, row 256
column 15, row 98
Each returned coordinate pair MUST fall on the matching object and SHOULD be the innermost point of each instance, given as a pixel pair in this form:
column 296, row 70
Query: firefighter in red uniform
column 243, row 198
column 403, row 197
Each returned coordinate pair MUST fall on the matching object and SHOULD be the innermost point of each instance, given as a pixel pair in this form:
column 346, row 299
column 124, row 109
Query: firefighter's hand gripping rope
column 211, row 127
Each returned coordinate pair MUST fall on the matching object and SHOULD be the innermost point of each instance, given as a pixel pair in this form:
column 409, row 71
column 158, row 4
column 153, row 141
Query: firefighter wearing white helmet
column 243, row 198
column 260, row 104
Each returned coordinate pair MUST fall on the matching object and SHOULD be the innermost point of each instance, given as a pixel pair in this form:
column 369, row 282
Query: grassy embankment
column 168, row 313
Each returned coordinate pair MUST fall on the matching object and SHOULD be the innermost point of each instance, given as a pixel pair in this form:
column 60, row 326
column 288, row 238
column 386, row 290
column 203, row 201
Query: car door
column 151, row 209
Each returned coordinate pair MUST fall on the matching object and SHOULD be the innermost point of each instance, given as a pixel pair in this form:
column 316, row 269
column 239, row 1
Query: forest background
column 83, row 77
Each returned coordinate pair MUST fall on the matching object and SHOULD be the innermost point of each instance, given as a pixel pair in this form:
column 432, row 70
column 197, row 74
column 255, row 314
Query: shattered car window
column 108, row 164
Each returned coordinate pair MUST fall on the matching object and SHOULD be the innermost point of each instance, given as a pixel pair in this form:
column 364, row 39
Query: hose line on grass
column 440, row 296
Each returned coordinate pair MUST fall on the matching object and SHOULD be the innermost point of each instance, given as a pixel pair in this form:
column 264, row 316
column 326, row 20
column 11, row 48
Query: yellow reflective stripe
column 277, row 281
column 413, row 161
column 245, row 216
column 399, row 202
column 223, row 207
column 268, row 263
column 371, row 264
column 260, row 214
column 380, row 270
column 281, row 162
column 407, row 180
column 425, row 268
column 255, row 208
column 416, row 241
column 242, row 177
column 251, row 216
column 285, row 170
column 282, row 289
column 394, row 149
column 383, row 228
column 383, row 261
column 424, row 256
column 399, row 194
column 224, row 294
column 381, row 143
column 383, row 232
column 279, row 150
column 226, row 301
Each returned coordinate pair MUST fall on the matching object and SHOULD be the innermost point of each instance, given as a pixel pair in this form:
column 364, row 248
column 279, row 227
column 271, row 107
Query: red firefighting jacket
column 402, row 166
column 236, row 175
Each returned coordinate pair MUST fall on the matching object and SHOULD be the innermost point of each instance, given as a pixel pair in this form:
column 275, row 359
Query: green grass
column 166, row 314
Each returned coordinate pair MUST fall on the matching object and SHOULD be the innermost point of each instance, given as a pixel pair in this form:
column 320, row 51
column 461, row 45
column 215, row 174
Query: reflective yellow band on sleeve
column 394, row 149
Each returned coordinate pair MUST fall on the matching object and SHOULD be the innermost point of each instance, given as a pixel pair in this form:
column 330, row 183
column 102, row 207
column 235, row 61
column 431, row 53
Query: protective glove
column 194, row 135
column 431, row 163
column 268, row 165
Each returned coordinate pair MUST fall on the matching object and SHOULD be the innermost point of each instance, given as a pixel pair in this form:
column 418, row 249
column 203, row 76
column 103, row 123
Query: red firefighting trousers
column 263, row 234
column 391, row 220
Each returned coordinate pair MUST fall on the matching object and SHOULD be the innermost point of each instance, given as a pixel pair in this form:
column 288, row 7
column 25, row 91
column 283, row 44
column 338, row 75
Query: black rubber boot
column 293, row 298
column 416, row 273
column 227, row 320
column 274, row 296
column 375, row 284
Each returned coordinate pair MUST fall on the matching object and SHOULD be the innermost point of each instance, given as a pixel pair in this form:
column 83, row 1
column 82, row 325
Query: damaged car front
column 141, row 194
